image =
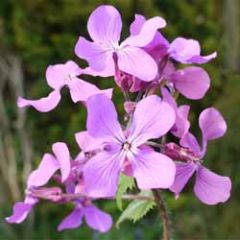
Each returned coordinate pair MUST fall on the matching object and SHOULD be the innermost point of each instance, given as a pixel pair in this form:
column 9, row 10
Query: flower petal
column 182, row 49
column 158, row 46
column 182, row 124
column 107, row 72
column 80, row 159
column 99, row 58
column 102, row 118
column 45, row 104
column 137, row 24
column 81, row 90
column 137, row 62
column 153, row 170
column 152, row 119
column 212, row 124
column 184, row 171
column 101, row 174
column 63, row 157
column 192, row 82
column 146, row 33
column 212, row 188
column 168, row 98
column 188, row 51
column 105, row 24
column 44, row 172
column 189, row 141
column 97, row 219
column 88, row 143
column 73, row 220
column 20, row 212
column 168, row 70
column 202, row 59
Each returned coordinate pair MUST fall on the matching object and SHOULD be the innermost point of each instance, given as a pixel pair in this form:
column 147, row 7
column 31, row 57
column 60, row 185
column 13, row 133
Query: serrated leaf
column 137, row 208
column 125, row 183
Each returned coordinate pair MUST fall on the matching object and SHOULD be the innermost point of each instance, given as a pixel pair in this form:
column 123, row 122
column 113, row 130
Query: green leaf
column 137, row 208
column 125, row 183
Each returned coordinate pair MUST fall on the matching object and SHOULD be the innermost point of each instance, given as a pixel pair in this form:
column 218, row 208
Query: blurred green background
column 36, row 33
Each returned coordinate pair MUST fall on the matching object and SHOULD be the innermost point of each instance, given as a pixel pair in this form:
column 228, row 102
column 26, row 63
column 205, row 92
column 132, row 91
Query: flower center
column 116, row 47
column 111, row 46
column 68, row 78
column 126, row 146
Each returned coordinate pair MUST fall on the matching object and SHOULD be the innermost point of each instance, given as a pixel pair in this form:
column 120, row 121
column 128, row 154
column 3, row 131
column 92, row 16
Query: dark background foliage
column 34, row 34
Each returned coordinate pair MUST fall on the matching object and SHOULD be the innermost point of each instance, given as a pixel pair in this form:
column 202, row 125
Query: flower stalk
column 77, row 196
column 163, row 213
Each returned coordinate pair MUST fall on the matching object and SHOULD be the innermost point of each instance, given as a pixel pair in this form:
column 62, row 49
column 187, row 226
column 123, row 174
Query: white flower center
column 126, row 146
column 112, row 46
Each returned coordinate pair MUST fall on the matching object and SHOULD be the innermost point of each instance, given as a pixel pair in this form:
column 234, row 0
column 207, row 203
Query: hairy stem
column 74, row 196
column 163, row 214
column 138, row 197
column 124, row 196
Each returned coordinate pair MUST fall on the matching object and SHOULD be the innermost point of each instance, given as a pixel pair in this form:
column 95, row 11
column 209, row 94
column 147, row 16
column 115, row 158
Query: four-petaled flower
column 61, row 75
column 209, row 187
column 152, row 118
column 104, row 27
column 39, row 177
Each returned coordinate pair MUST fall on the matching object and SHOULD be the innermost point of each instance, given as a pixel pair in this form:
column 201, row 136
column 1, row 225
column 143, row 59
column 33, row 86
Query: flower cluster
column 144, row 65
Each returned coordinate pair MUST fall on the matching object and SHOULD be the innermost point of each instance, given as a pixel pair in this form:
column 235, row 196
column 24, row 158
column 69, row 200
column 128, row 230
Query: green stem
column 163, row 214
column 154, row 144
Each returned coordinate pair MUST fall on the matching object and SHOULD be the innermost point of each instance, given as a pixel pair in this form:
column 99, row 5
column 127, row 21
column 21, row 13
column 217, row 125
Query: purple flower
column 95, row 218
column 71, row 177
column 152, row 119
column 61, row 75
column 192, row 82
column 143, row 63
column 183, row 50
column 157, row 48
column 188, row 51
column 104, row 27
column 75, row 184
column 39, row 177
column 209, row 187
